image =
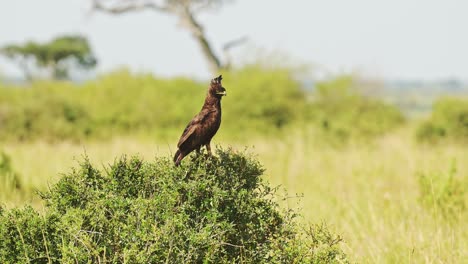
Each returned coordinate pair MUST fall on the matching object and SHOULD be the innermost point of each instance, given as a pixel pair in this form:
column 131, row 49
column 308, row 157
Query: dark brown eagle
column 204, row 125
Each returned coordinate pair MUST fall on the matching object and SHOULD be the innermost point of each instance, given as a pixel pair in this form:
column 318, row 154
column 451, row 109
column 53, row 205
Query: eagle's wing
column 193, row 128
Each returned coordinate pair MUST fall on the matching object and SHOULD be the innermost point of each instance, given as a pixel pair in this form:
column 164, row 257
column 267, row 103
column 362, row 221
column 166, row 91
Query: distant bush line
column 448, row 122
column 260, row 101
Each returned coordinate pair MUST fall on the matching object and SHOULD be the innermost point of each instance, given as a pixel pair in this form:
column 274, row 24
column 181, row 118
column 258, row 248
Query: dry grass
column 370, row 194
column 367, row 193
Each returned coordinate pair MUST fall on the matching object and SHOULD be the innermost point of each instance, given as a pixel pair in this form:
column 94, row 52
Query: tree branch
column 128, row 6
column 228, row 46
column 183, row 9
column 235, row 42
column 192, row 25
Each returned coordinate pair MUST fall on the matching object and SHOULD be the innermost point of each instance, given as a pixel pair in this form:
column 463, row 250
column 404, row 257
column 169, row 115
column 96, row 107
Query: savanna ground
column 368, row 194
column 392, row 199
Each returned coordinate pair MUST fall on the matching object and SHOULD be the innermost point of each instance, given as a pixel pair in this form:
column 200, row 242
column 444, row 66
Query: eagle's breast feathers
column 202, row 128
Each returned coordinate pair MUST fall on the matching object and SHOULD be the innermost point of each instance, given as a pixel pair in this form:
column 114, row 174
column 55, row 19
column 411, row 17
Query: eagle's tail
column 176, row 156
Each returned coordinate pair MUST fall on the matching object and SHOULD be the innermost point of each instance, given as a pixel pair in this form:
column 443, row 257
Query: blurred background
column 360, row 107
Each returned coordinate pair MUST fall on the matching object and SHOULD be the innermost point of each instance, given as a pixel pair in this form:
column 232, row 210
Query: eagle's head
column 216, row 88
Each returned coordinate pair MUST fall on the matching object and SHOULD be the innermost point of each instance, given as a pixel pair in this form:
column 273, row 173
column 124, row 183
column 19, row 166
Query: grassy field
column 371, row 194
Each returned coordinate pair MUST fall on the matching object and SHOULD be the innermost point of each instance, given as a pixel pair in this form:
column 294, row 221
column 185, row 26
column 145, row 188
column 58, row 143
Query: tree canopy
column 57, row 57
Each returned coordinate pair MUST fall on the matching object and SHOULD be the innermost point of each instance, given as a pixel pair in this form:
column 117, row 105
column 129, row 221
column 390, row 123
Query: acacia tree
column 57, row 57
column 185, row 11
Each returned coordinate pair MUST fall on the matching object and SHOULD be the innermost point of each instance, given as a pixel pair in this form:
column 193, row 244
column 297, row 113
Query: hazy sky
column 392, row 39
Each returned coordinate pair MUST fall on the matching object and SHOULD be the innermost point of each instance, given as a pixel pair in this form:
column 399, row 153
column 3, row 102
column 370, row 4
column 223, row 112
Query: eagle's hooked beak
column 223, row 93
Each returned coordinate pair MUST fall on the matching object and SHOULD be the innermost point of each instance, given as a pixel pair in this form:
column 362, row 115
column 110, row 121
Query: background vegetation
column 267, row 101
column 448, row 122
column 394, row 188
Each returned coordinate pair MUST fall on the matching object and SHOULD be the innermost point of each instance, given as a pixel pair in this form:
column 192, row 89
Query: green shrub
column 449, row 121
column 209, row 210
column 262, row 100
column 9, row 179
column 259, row 101
column 342, row 113
column 47, row 109
column 444, row 193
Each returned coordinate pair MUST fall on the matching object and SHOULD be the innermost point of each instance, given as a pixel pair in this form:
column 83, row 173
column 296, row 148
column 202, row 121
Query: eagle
column 204, row 125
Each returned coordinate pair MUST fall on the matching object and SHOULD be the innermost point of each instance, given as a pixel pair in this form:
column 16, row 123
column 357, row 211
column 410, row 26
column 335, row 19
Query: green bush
column 444, row 193
column 114, row 104
column 209, row 210
column 262, row 100
column 342, row 113
column 449, row 121
column 47, row 109
column 9, row 179
column 259, row 101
